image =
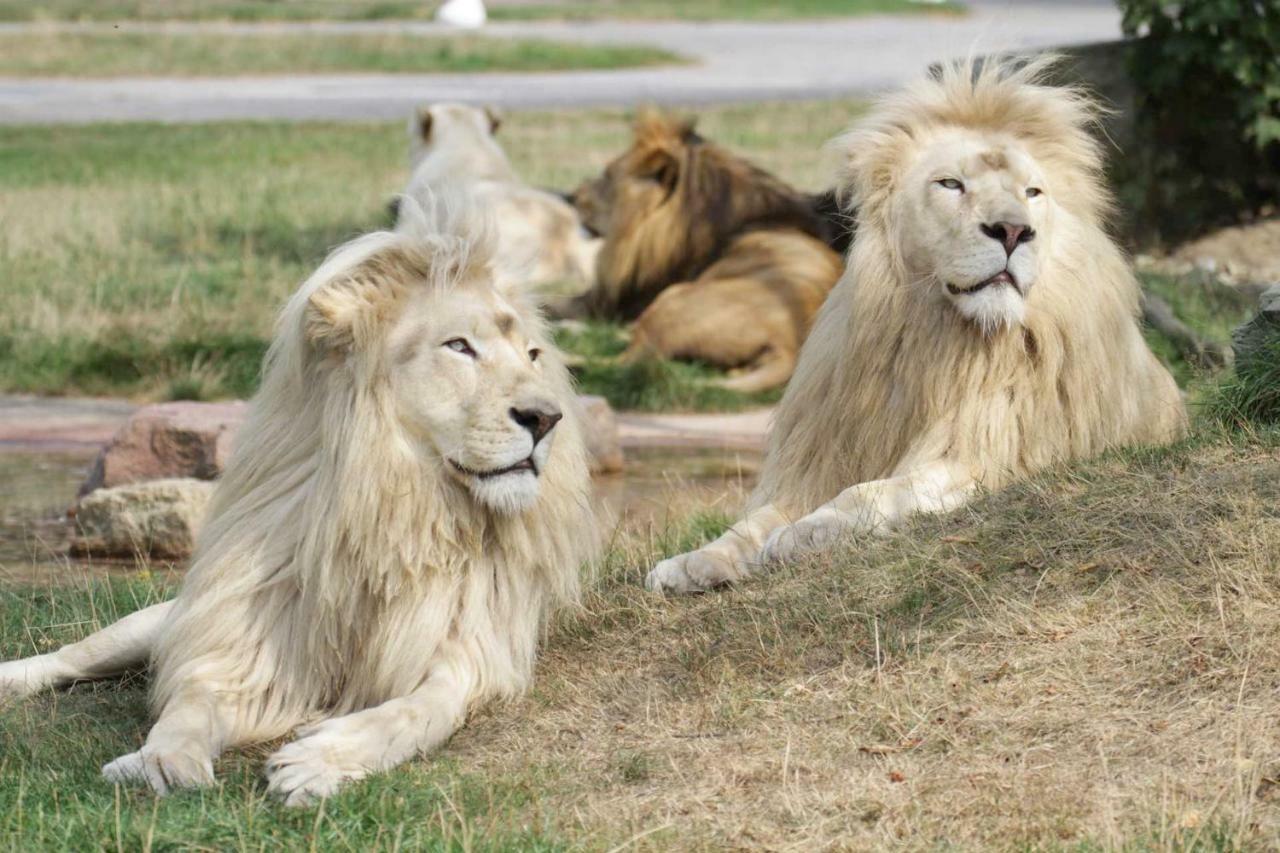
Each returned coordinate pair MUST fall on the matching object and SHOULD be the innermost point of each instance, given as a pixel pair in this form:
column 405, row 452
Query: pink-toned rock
column 600, row 431
column 168, row 440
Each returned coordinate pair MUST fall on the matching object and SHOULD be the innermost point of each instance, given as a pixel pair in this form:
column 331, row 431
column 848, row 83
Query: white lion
column 986, row 325
column 408, row 499
column 541, row 240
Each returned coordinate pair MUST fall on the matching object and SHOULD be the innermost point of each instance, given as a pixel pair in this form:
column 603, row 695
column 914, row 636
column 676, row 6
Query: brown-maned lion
column 716, row 259
column 407, row 501
column 986, row 326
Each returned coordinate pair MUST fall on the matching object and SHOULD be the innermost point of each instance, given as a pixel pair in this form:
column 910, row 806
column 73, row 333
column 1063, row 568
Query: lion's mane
column 716, row 197
column 890, row 376
column 342, row 534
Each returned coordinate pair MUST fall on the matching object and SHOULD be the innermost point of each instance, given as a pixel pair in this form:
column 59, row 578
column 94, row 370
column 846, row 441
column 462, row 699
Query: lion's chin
column 506, row 494
column 993, row 307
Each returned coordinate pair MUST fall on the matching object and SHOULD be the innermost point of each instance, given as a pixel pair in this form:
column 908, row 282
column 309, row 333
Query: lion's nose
column 538, row 420
column 1010, row 234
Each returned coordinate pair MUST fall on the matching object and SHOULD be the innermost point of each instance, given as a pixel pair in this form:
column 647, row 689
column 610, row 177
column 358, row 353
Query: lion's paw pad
column 309, row 770
column 810, row 535
column 696, row 571
column 161, row 769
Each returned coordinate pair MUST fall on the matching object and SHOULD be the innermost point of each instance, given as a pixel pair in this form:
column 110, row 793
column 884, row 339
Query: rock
column 600, row 431
column 1249, row 338
column 161, row 519
column 168, row 440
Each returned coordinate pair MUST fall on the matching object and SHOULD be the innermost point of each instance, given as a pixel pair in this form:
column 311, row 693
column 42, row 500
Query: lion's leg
column 104, row 653
column 189, row 734
column 731, row 558
column 872, row 507
column 773, row 369
column 330, row 753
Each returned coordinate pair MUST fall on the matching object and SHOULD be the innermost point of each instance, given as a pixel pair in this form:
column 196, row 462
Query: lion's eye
column 1032, row 192
column 951, row 184
column 460, row 345
column 534, row 353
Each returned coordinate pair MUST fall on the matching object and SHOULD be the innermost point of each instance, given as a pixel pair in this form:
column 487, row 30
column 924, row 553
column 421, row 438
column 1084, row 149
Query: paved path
column 735, row 61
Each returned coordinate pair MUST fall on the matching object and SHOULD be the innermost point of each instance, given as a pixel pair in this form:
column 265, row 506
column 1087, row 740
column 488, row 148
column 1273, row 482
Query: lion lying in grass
column 986, row 326
column 408, row 500
column 717, row 260
column 540, row 238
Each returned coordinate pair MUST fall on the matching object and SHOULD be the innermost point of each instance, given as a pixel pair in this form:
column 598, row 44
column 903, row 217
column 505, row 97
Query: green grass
column 355, row 10
column 1250, row 397
column 1211, row 309
column 651, row 385
column 122, row 54
column 150, row 260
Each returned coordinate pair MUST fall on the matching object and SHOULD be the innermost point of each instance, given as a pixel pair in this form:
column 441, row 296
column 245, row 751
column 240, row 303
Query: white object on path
column 462, row 13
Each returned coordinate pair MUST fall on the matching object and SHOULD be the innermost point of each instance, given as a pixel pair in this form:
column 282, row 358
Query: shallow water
column 659, row 486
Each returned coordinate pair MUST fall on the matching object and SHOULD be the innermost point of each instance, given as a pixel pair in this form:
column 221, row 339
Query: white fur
column 540, row 239
column 348, row 578
column 908, row 396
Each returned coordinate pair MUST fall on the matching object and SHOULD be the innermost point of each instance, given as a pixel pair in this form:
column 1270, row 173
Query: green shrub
column 1208, row 110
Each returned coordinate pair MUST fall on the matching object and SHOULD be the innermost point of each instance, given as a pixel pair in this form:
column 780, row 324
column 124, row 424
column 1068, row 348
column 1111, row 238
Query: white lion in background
column 986, row 325
column 541, row 240
column 408, row 500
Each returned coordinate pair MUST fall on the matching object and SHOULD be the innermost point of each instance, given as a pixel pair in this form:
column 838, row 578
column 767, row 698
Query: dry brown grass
column 1090, row 658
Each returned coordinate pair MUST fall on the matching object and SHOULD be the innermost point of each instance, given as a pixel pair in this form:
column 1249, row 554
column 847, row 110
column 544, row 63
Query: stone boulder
column 600, row 431
column 168, row 440
column 1249, row 339
column 160, row 518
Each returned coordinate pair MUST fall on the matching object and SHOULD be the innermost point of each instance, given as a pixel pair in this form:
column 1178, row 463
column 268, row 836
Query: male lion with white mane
column 986, row 325
column 408, row 499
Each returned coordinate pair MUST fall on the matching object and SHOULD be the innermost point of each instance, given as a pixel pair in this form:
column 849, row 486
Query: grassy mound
column 1087, row 660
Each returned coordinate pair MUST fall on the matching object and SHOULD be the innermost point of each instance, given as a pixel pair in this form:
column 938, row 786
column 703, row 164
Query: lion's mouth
column 526, row 464
column 1002, row 277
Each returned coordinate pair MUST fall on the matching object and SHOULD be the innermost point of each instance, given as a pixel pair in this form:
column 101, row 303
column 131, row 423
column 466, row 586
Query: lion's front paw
column 697, row 571
column 22, row 678
column 163, row 768
column 313, row 767
column 814, row 533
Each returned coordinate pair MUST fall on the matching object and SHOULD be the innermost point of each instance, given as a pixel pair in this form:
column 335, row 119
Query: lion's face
column 631, row 188
column 458, row 127
column 469, row 389
column 974, row 221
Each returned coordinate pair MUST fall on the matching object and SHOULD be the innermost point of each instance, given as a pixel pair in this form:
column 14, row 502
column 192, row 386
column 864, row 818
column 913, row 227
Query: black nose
column 1010, row 234
column 538, row 420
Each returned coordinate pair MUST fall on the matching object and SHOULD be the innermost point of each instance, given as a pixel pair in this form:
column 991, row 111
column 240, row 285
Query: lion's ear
column 661, row 165
column 424, row 123
column 350, row 311
column 495, row 120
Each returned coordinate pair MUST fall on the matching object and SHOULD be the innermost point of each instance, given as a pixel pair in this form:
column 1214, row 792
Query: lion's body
column 752, row 308
column 715, row 259
column 908, row 398
column 345, row 568
column 540, row 238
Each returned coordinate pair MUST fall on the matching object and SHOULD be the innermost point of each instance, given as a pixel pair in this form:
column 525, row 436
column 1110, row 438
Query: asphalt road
column 734, row 61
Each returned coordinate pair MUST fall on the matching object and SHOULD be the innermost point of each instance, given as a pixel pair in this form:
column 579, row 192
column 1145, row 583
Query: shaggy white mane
column 901, row 403
column 323, row 496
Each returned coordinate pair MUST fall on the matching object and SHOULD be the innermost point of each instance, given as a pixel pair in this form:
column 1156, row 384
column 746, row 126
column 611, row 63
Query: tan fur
column 696, row 240
column 902, row 403
column 349, row 576
column 540, row 239
column 752, row 308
